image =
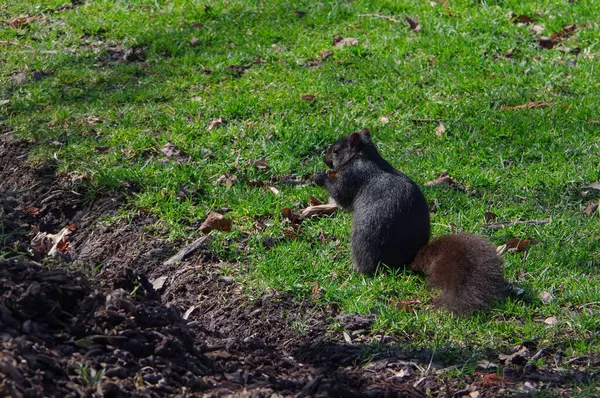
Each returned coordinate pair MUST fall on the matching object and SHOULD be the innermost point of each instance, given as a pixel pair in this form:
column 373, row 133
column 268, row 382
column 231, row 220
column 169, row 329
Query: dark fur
column 390, row 225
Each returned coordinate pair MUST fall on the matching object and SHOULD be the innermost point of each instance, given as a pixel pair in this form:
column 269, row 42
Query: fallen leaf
column 34, row 211
column 159, row 282
column 488, row 216
column 307, row 97
column 273, row 189
column 516, row 245
column 315, row 290
column 591, row 209
column 22, row 21
column 218, row 122
column 595, row 185
column 510, row 53
column 215, row 221
column 50, row 244
column 516, row 358
column 237, row 70
column 91, row 120
column 227, row 180
column 406, row 305
column 347, row 337
column 537, row 29
column 414, row 25
column 440, row 130
column 546, row 42
column 314, row 201
column 384, row 120
column 444, row 179
column 551, row 321
column 521, row 18
column 171, row 150
column 546, row 297
column 195, row 42
column 528, row 105
column 349, row 41
column 260, row 164
column 484, row 364
column 188, row 312
column 492, row 380
column 299, row 13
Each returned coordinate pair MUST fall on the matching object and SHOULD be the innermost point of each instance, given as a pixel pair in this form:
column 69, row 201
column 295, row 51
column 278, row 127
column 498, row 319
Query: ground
column 126, row 124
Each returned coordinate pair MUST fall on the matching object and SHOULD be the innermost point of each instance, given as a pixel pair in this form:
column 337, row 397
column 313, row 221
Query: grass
column 107, row 121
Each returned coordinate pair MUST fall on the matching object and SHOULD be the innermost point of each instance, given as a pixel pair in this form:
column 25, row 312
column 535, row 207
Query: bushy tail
column 467, row 270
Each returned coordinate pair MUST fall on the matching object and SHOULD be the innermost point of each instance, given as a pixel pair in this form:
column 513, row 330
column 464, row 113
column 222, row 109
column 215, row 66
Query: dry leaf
column 537, row 29
column 314, row 201
column 546, row 42
column 440, row 130
column 347, row 337
column 406, row 305
column 195, row 42
column 218, row 122
column 546, row 297
column 34, row 211
column 159, row 282
column 273, row 189
column 340, row 42
column 414, row 25
column 528, row 105
column 260, row 164
column 171, row 150
column 492, row 380
column 384, row 120
column 521, row 18
column 517, row 358
column 22, row 21
column 516, row 245
column 226, row 180
column 50, row 244
column 91, row 120
column 595, row 185
column 551, row 321
column 307, row 97
column 444, row 179
column 591, row 209
column 215, row 221
column 488, row 216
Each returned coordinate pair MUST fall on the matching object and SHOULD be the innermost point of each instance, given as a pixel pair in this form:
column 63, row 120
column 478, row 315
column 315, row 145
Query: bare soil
column 114, row 318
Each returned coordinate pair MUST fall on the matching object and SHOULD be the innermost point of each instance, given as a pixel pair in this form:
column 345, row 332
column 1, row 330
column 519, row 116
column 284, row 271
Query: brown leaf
column 551, row 321
column 440, row 130
column 546, row 42
column 384, row 120
column 34, row 211
column 521, row 18
column 22, row 21
column 528, row 105
column 537, row 29
column 510, row 53
column 516, row 245
column 315, row 290
column 570, row 28
column 488, row 216
column 307, row 97
column 546, row 297
column 491, row 380
column 50, row 244
column 260, row 164
column 340, row 42
column 171, row 150
column 218, row 122
column 414, row 25
column 406, row 305
column 195, row 42
column 591, row 209
column 227, row 180
column 314, row 201
column 216, row 221
column 91, row 120
column 444, row 179
column 294, row 219
column 517, row 358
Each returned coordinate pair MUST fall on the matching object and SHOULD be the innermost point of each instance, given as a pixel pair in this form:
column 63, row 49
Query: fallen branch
column 498, row 225
column 186, row 251
column 12, row 43
column 394, row 20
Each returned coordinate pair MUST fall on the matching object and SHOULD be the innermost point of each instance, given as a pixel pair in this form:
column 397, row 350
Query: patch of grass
column 106, row 120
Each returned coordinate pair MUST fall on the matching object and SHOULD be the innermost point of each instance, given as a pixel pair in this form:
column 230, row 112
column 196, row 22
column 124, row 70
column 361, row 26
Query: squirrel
column 391, row 225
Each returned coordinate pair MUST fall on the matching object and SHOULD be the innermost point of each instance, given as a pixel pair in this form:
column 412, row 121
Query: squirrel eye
column 336, row 151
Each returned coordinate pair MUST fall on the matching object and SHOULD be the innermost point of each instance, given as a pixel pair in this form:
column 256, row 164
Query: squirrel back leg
column 365, row 250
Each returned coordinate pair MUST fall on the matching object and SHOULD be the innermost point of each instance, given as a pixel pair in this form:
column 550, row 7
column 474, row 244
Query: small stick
column 394, row 20
column 12, row 43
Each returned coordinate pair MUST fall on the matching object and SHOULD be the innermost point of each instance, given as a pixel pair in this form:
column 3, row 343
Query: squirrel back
column 391, row 225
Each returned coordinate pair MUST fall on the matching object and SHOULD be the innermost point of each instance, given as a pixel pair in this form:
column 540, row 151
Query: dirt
column 114, row 318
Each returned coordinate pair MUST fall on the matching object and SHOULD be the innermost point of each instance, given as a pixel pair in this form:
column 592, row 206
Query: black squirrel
column 391, row 225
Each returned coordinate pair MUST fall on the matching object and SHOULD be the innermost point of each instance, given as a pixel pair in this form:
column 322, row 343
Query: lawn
column 250, row 93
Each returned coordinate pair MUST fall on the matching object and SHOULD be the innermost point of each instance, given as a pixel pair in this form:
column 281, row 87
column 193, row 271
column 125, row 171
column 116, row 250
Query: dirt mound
column 129, row 322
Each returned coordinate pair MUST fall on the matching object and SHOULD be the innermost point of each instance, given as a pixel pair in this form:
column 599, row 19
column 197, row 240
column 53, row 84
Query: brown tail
column 467, row 270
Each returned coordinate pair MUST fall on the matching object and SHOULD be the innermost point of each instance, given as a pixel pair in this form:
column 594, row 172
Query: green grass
column 520, row 164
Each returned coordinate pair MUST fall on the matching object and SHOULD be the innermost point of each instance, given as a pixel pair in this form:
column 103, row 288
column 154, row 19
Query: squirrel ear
column 365, row 132
column 354, row 139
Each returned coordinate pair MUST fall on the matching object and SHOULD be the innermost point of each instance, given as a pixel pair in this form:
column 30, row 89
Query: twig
column 394, row 20
column 503, row 224
column 12, row 43
column 186, row 251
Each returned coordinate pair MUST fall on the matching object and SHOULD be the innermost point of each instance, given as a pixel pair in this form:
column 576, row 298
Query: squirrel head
column 346, row 148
